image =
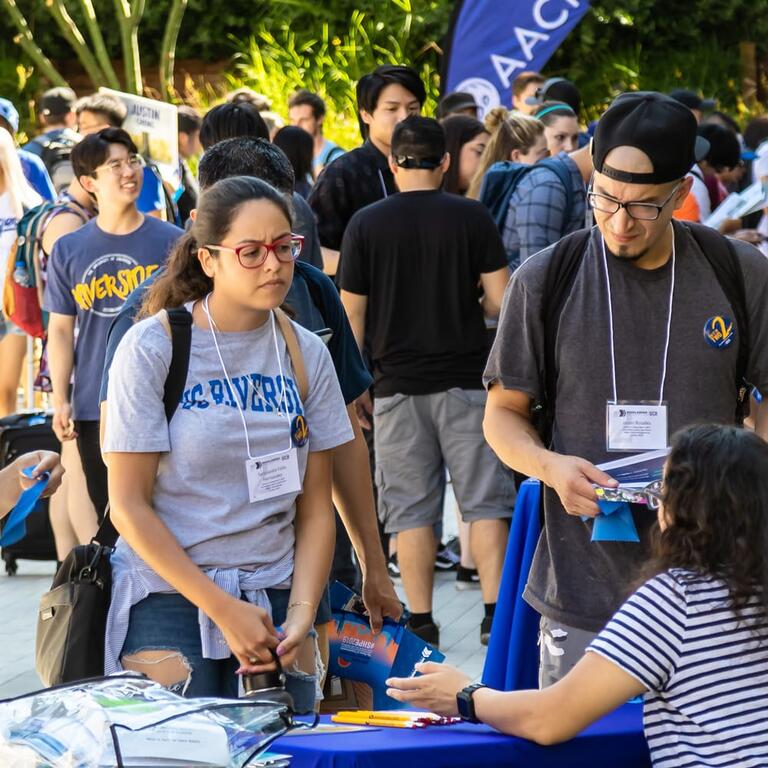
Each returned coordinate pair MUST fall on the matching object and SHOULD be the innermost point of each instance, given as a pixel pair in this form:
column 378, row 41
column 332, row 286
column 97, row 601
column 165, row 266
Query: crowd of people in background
column 419, row 347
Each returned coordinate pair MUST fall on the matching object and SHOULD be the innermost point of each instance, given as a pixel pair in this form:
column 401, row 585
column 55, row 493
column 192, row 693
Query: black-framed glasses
column 253, row 255
column 639, row 211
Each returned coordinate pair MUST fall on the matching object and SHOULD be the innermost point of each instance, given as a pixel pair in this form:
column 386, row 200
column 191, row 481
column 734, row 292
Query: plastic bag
column 128, row 720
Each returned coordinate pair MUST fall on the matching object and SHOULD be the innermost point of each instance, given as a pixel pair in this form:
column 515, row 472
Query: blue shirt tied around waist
column 133, row 580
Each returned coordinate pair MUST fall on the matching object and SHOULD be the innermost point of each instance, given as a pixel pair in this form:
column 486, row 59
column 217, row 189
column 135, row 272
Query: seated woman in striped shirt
column 693, row 639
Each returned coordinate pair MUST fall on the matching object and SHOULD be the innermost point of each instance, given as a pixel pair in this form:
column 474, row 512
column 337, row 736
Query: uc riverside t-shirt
column 201, row 490
column 90, row 275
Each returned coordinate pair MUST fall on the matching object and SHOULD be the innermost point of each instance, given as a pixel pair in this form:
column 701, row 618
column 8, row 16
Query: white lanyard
column 383, row 185
column 669, row 323
column 280, row 405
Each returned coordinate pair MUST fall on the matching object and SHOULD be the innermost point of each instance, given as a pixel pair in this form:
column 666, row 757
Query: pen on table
column 382, row 722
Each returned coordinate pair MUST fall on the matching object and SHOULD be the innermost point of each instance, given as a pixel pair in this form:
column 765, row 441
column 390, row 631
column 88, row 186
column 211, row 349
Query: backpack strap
column 178, row 325
column 294, row 352
column 724, row 260
column 561, row 170
column 564, row 263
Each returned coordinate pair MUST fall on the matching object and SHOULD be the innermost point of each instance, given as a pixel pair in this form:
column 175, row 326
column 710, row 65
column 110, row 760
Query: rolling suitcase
column 21, row 433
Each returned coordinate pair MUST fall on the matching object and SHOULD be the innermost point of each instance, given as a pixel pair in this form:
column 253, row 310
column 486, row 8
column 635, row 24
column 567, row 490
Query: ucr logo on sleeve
column 107, row 281
column 719, row 331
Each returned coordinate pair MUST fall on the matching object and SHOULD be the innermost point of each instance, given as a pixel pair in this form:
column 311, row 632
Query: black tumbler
column 268, row 686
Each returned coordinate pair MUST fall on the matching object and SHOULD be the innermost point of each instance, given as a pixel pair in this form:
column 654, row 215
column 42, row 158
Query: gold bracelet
column 301, row 602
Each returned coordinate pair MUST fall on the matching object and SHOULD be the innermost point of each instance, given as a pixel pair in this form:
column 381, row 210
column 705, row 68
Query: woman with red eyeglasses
column 224, row 514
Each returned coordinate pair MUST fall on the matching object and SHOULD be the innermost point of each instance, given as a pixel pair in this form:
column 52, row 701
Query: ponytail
column 183, row 279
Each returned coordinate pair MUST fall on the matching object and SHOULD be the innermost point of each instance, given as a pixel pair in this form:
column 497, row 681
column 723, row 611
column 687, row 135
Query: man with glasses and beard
column 649, row 318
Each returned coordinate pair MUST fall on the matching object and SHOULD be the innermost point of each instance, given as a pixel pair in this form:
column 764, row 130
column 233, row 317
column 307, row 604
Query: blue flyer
column 357, row 654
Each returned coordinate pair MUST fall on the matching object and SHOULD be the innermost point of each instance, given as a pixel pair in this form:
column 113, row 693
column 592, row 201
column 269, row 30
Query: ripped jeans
column 169, row 622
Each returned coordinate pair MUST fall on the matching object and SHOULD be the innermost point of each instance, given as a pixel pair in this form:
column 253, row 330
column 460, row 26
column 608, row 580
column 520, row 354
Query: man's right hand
column 573, row 479
column 63, row 425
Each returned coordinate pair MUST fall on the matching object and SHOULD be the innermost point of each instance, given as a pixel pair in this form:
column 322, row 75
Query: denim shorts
column 168, row 621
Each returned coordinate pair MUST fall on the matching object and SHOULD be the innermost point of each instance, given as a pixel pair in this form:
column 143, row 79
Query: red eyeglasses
column 253, row 255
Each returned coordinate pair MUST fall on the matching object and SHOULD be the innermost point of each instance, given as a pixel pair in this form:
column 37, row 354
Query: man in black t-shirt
column 409, row 278
column 362, row 176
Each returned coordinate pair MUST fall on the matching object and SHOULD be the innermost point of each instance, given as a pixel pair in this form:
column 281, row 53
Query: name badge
column 274, row 475
column 636, row 427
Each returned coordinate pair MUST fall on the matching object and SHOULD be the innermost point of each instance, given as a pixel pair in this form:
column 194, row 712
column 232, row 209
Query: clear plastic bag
column 129, row 721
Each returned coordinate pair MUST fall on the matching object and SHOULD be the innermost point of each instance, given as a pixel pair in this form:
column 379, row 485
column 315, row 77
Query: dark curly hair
column 716, row 509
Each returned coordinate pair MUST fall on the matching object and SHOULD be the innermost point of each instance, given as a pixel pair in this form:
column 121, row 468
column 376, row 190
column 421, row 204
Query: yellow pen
column 371, row 721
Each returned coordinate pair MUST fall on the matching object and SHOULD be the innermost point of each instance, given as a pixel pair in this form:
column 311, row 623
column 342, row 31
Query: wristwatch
column 465, row 704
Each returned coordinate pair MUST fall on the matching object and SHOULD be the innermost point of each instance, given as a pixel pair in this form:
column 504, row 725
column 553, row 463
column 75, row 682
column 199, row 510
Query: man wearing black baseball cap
column 623, row 334
column 409, row 280
column 54, row 145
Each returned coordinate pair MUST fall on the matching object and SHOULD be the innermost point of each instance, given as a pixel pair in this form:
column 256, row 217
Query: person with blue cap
column 33, row 166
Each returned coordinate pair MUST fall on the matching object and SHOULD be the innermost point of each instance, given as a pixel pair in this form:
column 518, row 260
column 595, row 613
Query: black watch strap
column 465, row 704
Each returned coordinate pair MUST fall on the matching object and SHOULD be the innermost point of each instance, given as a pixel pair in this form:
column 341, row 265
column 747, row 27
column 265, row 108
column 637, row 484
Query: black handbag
column 72, row 618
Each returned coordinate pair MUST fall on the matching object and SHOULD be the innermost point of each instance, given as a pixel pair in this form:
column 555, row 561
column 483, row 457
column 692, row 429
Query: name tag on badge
column 636, row 427
column 274, row 475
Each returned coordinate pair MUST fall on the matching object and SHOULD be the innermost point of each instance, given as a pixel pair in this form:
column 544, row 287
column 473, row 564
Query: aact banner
column 492, row 41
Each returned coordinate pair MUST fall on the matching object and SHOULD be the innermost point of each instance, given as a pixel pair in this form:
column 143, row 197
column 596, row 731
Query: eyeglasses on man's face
column 253, row 255
column 642, row 211
column 132, row 162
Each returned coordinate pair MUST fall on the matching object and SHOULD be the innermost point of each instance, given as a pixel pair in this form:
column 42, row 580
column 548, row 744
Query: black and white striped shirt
column 705, row 670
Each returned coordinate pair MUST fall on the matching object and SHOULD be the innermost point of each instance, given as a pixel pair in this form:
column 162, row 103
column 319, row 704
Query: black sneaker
column 429, row 633
column 485, row 630
column 446, row 560
column 393, row 567
column 467, row 578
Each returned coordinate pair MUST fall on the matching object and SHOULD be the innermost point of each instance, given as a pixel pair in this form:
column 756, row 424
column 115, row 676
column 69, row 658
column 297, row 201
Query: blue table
column 512, row 663
column 615, row 740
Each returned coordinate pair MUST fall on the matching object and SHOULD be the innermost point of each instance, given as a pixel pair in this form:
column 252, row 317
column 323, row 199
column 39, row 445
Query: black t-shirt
column 352, row 181
column 418, row 257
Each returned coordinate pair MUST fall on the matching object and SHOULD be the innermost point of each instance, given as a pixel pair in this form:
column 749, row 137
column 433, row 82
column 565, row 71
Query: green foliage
column 329, row 61
column 658, row 45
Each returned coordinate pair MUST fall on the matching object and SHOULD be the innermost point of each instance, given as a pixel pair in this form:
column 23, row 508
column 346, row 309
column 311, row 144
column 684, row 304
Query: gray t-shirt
column 574, row 580
column 201, row 491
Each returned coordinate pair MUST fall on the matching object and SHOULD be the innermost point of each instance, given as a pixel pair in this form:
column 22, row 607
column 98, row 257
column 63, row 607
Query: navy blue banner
column 492, row 41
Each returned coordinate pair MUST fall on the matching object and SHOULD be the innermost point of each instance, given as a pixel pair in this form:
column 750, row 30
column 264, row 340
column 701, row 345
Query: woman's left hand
column 42, row 461
column 294, row 632
column 435, row 690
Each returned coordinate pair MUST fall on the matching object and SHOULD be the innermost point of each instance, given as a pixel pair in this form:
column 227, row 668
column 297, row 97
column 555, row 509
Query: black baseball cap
column 455, row 102
column 656, row 124
column 557, row 89
column 693, row 100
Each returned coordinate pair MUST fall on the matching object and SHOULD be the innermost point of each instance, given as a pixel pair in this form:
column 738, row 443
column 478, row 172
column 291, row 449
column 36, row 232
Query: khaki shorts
column 416, row 437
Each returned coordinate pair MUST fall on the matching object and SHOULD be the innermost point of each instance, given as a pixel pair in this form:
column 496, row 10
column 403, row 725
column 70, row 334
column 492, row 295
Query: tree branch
column 75, row 38
column 128, row 18
column 168, row 49
column 99, row 47
column 29, row 46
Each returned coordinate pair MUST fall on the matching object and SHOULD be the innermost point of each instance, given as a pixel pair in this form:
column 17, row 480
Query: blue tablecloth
column 615, row 740
column 512, row 663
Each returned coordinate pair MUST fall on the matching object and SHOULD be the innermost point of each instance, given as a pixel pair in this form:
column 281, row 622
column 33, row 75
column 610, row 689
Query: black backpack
column 561, row 272
column 55, row 154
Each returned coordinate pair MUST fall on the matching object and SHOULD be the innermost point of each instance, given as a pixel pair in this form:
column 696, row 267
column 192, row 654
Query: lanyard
column 281, row 404
column 383, row 185
column 669, row 323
